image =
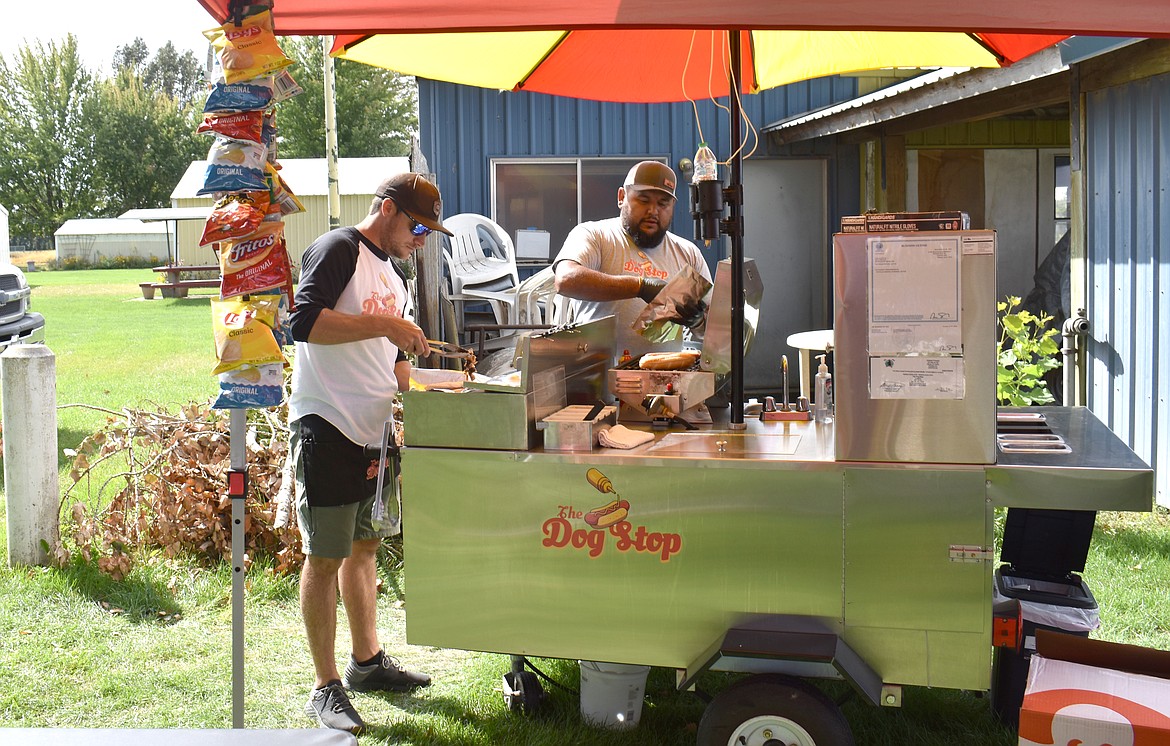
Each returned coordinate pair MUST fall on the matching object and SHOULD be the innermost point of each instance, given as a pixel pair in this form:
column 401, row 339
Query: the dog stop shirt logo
column 605, row 524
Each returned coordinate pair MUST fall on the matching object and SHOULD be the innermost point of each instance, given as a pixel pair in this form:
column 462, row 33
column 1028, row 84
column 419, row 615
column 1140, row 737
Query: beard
column 641, row 238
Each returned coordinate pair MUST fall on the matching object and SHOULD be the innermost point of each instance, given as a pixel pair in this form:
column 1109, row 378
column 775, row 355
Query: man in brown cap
column 616, row 266
column 352, row 337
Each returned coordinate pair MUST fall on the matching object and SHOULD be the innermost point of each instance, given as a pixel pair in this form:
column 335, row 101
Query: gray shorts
column 330, row 529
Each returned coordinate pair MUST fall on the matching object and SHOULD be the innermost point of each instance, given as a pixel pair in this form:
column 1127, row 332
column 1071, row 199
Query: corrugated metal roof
column 306, row 176
column 888, row 92
column 108, row 227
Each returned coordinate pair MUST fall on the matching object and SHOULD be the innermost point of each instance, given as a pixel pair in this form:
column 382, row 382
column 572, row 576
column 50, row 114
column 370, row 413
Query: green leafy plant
column 1027, row 350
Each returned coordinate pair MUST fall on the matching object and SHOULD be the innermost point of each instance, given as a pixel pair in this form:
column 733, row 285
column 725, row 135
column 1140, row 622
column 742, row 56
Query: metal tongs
column 447, row 349
column 389, row 466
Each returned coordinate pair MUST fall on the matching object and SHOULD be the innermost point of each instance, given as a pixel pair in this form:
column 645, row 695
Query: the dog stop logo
column 603, row 523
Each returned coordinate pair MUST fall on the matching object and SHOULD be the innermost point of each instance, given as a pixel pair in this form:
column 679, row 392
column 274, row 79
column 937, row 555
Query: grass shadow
column 137, row 597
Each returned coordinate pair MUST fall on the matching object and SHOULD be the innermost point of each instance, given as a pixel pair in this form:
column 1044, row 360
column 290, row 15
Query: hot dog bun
column 609, row 514
column 668, row 360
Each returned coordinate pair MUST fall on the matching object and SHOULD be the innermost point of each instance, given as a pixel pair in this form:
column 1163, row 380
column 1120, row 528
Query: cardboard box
column 1092, row 692
column 905, row 222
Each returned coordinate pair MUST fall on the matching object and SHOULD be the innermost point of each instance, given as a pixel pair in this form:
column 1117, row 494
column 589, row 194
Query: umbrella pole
column 734, row 228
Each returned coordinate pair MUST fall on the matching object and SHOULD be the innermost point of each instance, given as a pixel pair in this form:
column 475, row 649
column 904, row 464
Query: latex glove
column 650, row 288
column 692, row 314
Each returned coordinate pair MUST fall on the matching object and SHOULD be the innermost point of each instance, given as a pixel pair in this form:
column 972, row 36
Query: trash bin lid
column 1047, row 543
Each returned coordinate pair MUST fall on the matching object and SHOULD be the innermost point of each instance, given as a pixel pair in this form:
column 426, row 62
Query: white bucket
column 611, row 693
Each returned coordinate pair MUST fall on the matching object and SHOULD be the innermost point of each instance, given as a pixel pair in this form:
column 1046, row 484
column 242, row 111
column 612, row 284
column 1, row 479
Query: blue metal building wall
column 1127, row 143
column 462, row 128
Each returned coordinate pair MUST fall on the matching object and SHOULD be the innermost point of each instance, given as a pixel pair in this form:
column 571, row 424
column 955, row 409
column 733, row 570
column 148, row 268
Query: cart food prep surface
column 509, row 551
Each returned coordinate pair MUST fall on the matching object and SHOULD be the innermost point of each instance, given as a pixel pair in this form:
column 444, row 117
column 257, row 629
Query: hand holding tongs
column 446, row 349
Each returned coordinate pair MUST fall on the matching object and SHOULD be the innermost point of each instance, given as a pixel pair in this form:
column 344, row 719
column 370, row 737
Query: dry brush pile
column 170, row 490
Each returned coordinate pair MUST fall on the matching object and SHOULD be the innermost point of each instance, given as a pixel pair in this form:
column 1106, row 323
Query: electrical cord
column 543, row 675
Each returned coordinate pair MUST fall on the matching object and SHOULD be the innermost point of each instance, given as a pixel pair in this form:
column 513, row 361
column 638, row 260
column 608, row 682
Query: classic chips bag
column 243, row 332
column 249, row 50
column 256, row 262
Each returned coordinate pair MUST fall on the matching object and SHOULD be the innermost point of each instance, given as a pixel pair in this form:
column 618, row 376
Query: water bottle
column 706, row 167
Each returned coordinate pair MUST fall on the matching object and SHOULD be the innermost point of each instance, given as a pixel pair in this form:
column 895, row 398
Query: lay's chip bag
column 243, row 332
column 249, row 50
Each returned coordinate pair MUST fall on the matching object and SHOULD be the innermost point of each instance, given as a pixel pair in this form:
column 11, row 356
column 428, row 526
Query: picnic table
column 175, row 285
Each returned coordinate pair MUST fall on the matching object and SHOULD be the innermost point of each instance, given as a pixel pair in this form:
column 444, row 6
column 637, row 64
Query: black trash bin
column 1043, row 549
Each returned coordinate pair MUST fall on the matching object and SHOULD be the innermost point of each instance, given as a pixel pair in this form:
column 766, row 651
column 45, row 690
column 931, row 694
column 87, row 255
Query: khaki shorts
column 331, row 530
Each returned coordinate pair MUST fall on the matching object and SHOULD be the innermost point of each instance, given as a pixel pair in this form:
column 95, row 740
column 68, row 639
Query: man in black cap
column 352, row 338
column 617, row 266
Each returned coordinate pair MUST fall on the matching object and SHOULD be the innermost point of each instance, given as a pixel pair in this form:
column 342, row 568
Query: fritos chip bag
column 235, row 215
column 249, row 50
column 243, row 332
column 254, row 263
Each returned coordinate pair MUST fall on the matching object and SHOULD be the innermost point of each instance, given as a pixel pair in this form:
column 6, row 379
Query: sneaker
column 386, row 675
column 330, row 706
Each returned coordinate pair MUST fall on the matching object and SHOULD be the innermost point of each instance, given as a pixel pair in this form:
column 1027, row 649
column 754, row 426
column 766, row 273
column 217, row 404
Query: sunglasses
column 417, row 228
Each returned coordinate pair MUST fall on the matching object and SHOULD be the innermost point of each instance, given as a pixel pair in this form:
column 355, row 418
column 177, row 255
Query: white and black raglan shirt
column 351, row 385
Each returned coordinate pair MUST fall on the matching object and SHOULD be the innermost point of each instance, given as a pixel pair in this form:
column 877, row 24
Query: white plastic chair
column 467, row 262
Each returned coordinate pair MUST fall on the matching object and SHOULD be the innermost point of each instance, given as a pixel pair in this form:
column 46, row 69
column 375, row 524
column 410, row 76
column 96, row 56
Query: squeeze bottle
column 823, row 402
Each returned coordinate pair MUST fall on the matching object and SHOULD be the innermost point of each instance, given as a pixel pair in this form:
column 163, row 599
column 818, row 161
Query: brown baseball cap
column 651, row 175
column 415, row 196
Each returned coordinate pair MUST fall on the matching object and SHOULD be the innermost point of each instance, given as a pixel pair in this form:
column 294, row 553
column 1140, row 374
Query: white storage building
column 307, row 178
column 94, row 239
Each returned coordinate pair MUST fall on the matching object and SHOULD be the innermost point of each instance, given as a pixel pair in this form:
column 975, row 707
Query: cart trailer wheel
column 773, row 710
column 523, row 692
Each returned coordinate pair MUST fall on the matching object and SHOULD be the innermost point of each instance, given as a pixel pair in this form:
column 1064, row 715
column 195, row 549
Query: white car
column 17, row 323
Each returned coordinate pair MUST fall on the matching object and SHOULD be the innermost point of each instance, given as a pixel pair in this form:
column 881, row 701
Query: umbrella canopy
column 671, row 64
column 1053, row 17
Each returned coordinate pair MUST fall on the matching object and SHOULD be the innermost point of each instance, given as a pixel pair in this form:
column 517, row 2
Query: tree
column 46, row 164
column 377, row 110
column 143, row 142
column 179, row 76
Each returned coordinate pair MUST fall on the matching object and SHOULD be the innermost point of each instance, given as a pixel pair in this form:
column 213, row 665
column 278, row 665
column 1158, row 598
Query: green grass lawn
column 154, row 650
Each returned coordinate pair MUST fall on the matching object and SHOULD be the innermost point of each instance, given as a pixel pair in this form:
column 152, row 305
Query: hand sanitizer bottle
column 823, row 401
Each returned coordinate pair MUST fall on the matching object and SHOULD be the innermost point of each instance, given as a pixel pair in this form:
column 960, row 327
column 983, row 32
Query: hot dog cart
column 860, row 549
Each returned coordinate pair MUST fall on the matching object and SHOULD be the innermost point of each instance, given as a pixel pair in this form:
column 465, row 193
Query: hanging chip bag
column 249, row 50
column 236, row 125
column 251, row 95
column 235, row 215
column 243, row 332
column 251, row 386
column 254, row 263
column 234, row 166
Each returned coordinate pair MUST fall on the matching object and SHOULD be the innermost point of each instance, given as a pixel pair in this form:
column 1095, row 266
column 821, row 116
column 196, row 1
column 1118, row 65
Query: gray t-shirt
column 604, row 246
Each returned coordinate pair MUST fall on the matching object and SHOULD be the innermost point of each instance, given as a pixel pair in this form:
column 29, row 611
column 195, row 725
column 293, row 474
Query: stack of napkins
column 620, row 436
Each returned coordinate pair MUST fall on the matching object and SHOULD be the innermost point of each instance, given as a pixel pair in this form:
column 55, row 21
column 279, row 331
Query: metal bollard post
column 28, row 374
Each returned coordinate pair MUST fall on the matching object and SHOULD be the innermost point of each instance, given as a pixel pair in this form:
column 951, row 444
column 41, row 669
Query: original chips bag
column 249, row 50
column 243, row 332
column 250, row 95
column 255, row 263
column 251, row 386
column 235, row 215
column 234, row 166
column 239, row 125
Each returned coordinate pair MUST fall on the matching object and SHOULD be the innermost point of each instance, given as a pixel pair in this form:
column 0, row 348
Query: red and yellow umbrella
column 661, row 65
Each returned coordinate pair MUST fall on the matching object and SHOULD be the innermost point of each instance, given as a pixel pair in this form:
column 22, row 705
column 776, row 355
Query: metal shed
column 93, row 239
column 308, row 179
